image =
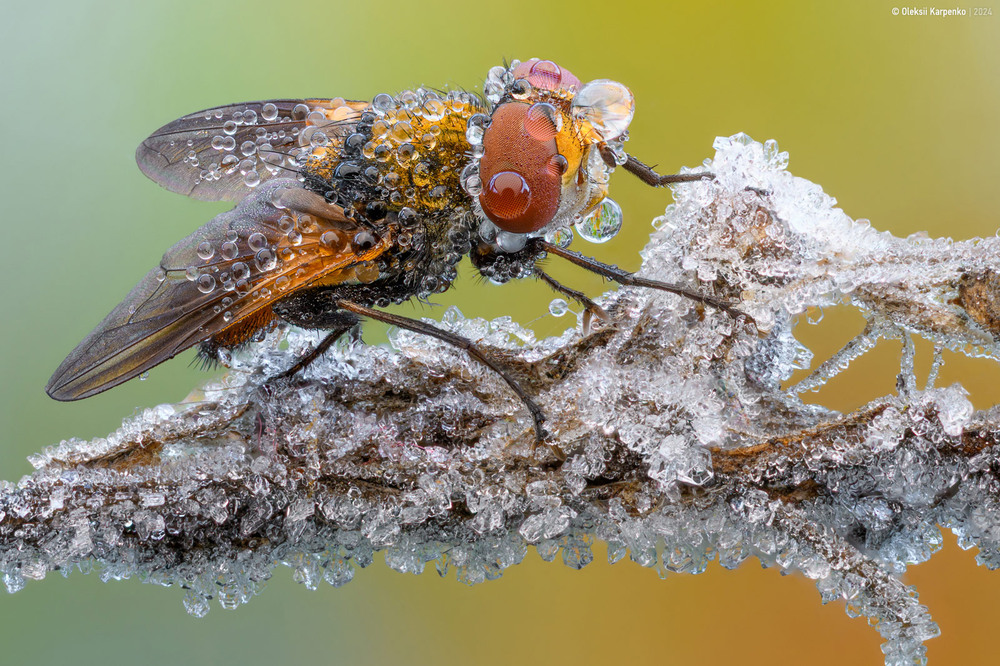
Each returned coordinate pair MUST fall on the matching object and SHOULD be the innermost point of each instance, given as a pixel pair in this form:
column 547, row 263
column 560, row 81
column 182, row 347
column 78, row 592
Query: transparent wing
column 221, row 154
column 240, row 262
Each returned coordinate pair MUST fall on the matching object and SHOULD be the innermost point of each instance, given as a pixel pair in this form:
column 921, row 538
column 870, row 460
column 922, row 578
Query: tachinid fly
column 347, row 206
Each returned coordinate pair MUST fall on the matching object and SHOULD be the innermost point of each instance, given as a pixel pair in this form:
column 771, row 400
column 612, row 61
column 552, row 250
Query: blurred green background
column 895, row 116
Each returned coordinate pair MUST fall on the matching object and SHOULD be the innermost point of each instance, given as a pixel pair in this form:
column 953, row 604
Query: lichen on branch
column 672, row 437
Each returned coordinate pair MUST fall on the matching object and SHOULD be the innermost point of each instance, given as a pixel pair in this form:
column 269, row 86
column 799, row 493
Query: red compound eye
column 507, row 195
column 521, row 175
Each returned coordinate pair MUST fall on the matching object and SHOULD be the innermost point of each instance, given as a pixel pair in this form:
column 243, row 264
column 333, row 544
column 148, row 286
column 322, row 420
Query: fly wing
column 221, row 154
column 240, row 262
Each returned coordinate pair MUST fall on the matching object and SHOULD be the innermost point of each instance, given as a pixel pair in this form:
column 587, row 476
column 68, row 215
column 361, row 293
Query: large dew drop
column 602, row 224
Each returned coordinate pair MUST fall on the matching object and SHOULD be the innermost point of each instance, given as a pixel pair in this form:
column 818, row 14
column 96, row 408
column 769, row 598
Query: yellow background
column 895, row 116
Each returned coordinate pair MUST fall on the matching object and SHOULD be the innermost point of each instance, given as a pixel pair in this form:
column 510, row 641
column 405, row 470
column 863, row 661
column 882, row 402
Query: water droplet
column 318, row 139
column 509, row 242
column 507, row 196
column 562, row 236
column 206, row 284
column 602, row 224
column 545, row 74
column 269, row 111
column 191, row 273
column 474, row 134
column 281, row 283
column 252, row 178
column 144, row 376
column 229, row 250
column 229, row 127
column 558, row 307
column 520, row 89
column 366, row 272
column 383, row 103
column 421, row 174
column 205, row 250
column 257, row 241
column 487, row 231
column 542, row 121
column 433, row 110
column 473, row 185
column 227, row 316
column 605, row 108
column 241, row 271
column 265, row 260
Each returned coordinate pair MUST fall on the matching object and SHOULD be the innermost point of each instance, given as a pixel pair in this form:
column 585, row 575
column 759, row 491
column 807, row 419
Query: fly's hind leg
column 347, row 323
column 316, row 311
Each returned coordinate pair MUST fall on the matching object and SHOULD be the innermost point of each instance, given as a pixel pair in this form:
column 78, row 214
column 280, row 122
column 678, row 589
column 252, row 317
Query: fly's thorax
column 540, row 167
column 404, row 151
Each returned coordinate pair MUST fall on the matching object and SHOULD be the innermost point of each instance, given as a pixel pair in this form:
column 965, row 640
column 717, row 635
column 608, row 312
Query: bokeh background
column 895, row 116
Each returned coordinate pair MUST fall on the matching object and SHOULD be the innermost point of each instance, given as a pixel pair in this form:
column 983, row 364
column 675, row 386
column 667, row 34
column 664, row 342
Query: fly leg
column 592, row 308
column 624, row 277
column 469, row 346
column 649, row 176
column 348, row 323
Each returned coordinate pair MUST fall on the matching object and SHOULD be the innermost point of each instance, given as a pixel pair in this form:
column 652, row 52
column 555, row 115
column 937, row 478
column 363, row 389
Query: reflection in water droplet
column 205, row 250
column 562, row 236
column 269, row 111
column 509, row 242
column 265, row 260
column 257, row 241
column 206, row 284
column 602, row 224
column 558, row 307
column 229, row 250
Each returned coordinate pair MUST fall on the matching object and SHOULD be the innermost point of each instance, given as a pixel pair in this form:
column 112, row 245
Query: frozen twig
column 672, row 440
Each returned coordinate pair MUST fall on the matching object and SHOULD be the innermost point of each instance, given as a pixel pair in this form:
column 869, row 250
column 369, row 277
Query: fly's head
column 537, row 162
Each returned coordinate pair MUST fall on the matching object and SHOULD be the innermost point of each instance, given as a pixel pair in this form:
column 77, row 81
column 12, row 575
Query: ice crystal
column 672, row 439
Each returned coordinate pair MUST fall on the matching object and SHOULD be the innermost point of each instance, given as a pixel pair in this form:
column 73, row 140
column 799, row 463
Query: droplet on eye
column 542, row 121
column 545, row 74
column 557, row 165
column 507, row 196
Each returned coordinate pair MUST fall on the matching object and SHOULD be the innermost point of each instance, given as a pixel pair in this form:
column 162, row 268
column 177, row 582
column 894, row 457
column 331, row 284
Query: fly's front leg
column 624, row 277
column 648, row 175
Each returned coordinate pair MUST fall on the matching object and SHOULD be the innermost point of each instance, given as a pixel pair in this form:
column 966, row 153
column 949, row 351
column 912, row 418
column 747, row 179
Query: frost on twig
column 672, row 440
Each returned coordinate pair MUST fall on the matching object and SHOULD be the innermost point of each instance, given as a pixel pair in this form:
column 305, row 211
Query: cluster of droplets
column 259, row 141
column 404, row 152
